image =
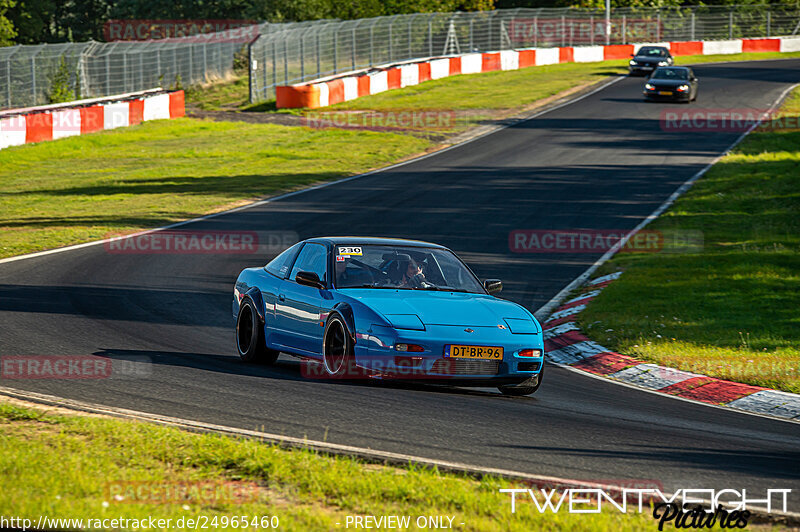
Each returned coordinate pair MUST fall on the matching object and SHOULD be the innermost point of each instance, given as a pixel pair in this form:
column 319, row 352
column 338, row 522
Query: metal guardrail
column 284, row 54
column 297, row 54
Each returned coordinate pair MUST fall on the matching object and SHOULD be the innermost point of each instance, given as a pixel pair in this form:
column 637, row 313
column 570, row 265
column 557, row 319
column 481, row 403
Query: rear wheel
column 250, row 336
column 337, row 348
column 527, row 387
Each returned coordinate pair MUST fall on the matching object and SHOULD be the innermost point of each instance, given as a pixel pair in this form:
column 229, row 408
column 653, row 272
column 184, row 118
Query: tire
column 337, row 349
column 250, row 336
column 524, row 388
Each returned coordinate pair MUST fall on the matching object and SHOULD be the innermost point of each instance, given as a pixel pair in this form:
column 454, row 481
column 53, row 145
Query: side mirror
column 309, row 279
column 493, row 286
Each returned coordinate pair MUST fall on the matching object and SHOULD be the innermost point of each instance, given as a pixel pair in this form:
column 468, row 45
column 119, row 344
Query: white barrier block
column 66, row 123
column 546, row 56
column 409, row 75
column 378, row 82
column 440, row 68
column 509, row 60
column 12, row 131
column 722, row 47
column 324, row 94
column 116, row 115
column 587, row 54
column 350, row 88
column 790, row 44
column 156, row 107
column 471, row 63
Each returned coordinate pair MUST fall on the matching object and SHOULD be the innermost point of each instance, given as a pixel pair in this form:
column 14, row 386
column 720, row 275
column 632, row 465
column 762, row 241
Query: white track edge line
column 315, row 187
column 547, row 308
column 384, row 457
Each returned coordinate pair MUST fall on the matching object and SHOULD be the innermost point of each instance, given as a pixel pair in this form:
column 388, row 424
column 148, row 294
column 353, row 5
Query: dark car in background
column 649, row 58
column 672, row 83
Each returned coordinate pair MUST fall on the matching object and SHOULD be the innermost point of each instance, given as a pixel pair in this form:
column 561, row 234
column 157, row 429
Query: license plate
column 665, row 93
column 473, row 351
column 647, row 68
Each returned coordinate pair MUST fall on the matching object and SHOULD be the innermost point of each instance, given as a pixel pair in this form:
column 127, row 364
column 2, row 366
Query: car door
column 299, row 306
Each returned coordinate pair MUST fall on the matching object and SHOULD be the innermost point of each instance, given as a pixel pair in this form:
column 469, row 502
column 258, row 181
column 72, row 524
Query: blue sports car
column 386, row 308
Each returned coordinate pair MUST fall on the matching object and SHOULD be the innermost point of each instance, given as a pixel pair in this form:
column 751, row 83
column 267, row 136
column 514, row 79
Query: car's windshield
column 670, row 73
column 402, row 267
column 647, row 51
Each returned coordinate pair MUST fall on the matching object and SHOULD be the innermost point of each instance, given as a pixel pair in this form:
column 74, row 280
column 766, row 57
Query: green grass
column 83, row 188
column 730, row 310
column 225, row 95
column 70, row 467
column 492, row 90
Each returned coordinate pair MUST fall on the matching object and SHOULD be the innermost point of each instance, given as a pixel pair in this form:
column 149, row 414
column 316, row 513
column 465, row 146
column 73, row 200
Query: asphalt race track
column 600, row 163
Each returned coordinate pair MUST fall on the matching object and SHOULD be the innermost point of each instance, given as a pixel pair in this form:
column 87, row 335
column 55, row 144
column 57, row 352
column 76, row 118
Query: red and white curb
column 345, row 87
column 566, row 345
column 51, row 122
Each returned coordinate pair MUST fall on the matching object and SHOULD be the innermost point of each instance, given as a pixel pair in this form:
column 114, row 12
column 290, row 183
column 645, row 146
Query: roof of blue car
column 366, row 240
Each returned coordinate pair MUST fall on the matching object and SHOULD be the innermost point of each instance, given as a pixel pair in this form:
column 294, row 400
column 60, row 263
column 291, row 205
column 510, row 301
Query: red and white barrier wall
column 36, row 124
column 329, row 91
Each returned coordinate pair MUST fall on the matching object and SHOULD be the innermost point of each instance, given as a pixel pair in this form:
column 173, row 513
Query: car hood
column 440, row 308
column 649, row 60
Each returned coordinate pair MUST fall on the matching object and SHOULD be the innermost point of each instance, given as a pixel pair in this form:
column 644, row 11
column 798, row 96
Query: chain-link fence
column 283, row 54
column 294, row 54
column 31, row 75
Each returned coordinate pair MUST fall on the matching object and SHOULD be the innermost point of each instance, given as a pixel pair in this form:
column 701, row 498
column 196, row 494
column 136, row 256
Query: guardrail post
column 471, row 31
column 563, row 30
column 536, row 31
column 336, row 49
column 692, row 37
column 430, row 36
column 316, row 35
column 371, row 42
column 353, row 47
column 730, row 24
column 302, row 57
column 769, row 23
column 591, row 30
column 624, row 29
column 658, row 25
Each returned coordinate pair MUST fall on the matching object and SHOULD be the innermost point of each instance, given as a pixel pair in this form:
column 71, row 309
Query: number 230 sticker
column 349, row 251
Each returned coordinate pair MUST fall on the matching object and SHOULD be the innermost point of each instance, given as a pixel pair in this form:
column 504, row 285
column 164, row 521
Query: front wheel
column 337, row 348
column 250, row 336
column 527, row 387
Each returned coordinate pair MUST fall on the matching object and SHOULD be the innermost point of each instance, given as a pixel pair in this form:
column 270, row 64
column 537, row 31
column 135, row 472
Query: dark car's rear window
column 648, row 51
column 670, row 73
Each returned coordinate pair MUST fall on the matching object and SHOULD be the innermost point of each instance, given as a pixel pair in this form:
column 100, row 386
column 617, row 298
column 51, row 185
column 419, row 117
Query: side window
column 279, row 266
column 312, row 259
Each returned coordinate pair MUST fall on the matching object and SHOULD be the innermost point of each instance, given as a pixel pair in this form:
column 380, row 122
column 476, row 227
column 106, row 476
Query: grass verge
column 79, row 467
column 492, row 90
column 730, row 310
column 84, row 188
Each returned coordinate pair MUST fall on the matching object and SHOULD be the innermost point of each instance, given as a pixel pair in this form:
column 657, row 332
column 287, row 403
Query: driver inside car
column 413, row 276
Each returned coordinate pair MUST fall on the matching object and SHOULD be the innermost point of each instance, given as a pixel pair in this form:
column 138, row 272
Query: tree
column 7, row 32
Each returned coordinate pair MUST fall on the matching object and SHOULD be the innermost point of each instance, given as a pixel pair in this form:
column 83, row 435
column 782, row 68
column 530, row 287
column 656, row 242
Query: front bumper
column 641, row 69
column 674, row 97
column 375, row 352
